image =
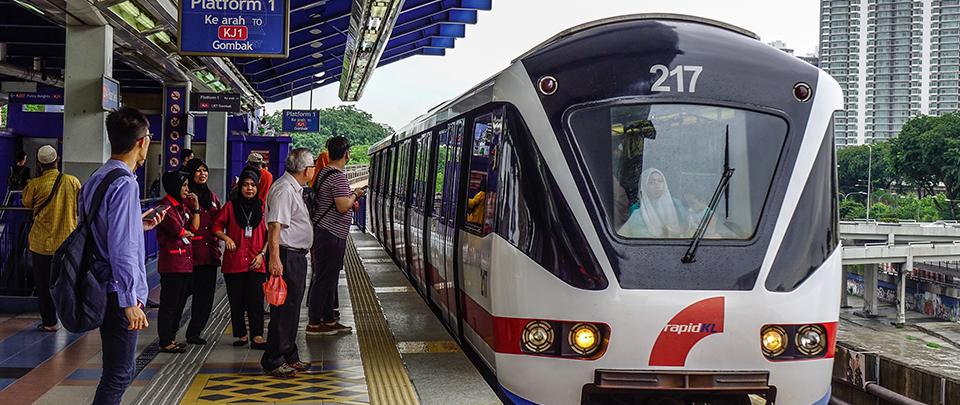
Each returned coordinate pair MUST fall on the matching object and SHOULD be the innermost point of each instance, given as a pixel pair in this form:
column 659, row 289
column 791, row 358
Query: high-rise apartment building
column 894, row 59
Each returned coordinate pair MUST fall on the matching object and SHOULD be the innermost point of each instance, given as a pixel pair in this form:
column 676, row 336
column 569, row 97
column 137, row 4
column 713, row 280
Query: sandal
column 177, row 348
column 49, row 329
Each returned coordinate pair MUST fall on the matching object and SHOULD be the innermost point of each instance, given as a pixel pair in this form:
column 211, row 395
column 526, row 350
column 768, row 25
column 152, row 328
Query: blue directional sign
column 243, row 28
column 301, row 121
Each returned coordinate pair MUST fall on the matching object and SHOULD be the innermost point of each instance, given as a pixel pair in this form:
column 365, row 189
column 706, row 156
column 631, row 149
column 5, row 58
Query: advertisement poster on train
column 234, row 28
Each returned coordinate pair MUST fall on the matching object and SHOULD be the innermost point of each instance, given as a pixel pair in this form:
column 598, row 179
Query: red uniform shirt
column 238, row 261
column 176, row 252
column 266, row 180
column 206, row 248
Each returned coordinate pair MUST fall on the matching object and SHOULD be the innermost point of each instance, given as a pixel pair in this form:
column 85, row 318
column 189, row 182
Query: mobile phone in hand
column 156, row 212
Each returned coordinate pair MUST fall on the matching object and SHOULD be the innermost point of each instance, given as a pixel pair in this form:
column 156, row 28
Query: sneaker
column 284, row 371
column 339, row 328
column 300, row 366
column 320, row 330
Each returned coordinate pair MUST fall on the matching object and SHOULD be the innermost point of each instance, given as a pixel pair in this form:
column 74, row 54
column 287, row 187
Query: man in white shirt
column 290, row 235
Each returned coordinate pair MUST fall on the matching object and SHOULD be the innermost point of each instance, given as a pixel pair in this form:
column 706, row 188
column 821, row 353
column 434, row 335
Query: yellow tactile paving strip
column 340, row 386
column 444, row 346
column 387, row 378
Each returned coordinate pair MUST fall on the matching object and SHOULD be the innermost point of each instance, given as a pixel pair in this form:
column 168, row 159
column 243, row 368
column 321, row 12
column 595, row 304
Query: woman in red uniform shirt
column 206, row 250
column 241, row 227
column 176, row 257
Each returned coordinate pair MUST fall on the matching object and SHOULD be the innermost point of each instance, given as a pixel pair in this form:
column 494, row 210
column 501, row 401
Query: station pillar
column 217, row 152
column 89, row 56
column 870, row 289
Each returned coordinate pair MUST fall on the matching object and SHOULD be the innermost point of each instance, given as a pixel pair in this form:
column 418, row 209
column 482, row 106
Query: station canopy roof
column 318, row 41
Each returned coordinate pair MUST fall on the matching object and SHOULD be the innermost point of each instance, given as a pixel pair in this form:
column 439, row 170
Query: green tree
column 882, row 212
column 927, row 153
column 853, row 163
column 851, row 209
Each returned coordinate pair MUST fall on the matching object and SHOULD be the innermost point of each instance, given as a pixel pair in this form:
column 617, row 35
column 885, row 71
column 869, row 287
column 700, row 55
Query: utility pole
column 869, row 176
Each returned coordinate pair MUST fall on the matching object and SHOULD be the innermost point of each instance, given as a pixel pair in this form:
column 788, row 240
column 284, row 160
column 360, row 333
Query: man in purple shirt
column 118, row 235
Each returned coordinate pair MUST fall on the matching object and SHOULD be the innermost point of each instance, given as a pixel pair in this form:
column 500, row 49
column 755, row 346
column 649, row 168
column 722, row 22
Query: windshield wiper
column 691, row 255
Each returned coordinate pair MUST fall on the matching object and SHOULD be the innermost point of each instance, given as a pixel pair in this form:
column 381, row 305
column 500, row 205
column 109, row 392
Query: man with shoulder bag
column 53, row 198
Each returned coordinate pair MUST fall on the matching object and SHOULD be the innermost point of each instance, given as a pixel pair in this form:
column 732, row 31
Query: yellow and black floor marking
column 387, row 378
column 341, row 386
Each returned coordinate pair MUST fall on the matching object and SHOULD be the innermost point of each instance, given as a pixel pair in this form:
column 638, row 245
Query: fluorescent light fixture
column 315, row 31
column 131, row 14
column 317, row 55
column 30, row 7
column 316, row 44
column 321, row 74
column 371, row 24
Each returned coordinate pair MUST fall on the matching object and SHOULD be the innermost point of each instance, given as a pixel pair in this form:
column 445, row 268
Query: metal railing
column 16, row 277
column 357, row 173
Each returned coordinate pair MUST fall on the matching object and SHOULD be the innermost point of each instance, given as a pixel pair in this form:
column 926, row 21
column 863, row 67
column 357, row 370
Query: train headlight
column 537, row 336
column 773, row 340
column 811, row 340
column 584, row 338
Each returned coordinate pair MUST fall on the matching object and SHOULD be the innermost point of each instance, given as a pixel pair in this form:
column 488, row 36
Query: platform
column 399, row 353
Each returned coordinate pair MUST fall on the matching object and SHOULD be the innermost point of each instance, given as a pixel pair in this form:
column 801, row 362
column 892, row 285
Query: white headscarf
column 656, row 217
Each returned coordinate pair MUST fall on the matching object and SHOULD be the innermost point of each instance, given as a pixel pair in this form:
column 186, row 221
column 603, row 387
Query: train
column 639, row 210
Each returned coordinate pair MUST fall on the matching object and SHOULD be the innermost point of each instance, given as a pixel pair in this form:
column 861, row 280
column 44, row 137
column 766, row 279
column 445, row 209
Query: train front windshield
column 664, row 164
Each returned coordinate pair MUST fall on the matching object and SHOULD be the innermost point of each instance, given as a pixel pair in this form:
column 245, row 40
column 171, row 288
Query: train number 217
column 665, row 73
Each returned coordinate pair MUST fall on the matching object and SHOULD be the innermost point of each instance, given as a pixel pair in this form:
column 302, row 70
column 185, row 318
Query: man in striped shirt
column 332, row 216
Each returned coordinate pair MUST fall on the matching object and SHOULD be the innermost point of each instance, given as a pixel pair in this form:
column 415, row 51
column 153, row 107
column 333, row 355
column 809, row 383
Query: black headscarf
column 172, row 182
column 204, row 195
column 242, row 206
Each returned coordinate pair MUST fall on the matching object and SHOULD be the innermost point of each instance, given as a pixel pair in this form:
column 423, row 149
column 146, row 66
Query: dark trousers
column 203, row 288
column 285, row 319
column 119, row 354
column 174, row 288
column 245, row 292
column 327, row 260
column 41, row 282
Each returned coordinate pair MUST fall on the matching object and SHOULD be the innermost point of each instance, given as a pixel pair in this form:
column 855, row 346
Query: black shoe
column 258, row 346
column 240, row 343
column 196, row 340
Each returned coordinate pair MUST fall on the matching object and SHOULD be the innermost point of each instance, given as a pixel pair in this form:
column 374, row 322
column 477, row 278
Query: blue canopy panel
column 318, row 33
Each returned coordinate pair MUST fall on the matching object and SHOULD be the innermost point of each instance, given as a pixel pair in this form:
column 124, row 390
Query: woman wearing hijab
column 659, row 215
column 243, row 231
column 175, row 257
column 206, row 250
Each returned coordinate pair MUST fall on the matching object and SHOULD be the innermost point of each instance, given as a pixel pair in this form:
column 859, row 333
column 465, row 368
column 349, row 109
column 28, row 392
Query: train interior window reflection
column 668, row 161
column 440, row 170
column 482, row 183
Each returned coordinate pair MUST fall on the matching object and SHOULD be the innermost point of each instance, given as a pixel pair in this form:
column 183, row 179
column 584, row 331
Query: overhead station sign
column 215, row 102
column 234, row 28
column 301, row 121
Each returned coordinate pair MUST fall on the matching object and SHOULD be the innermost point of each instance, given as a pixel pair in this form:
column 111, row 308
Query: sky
column 399, row 92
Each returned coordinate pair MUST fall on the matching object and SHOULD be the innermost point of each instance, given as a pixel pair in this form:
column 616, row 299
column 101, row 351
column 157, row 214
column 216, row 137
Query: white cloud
column 403, row 90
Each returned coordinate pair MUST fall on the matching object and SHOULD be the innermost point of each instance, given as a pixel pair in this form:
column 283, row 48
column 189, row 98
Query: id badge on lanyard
column 248, row 232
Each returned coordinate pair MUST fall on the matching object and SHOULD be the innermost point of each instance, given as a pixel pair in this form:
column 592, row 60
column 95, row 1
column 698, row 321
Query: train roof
column 483, row 92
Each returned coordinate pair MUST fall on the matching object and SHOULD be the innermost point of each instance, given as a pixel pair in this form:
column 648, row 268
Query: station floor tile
column 336, row 386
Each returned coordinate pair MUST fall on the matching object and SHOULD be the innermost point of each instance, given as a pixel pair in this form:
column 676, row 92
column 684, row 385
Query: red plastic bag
column 275, row 291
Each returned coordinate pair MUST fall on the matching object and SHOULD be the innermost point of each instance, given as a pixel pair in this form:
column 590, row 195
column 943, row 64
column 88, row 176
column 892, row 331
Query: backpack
column 80, row 295
column 312, row 198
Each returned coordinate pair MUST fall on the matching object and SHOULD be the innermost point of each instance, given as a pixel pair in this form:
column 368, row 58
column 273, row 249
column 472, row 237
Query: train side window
column 437, row 194
column 452, row 182
column 482, row 184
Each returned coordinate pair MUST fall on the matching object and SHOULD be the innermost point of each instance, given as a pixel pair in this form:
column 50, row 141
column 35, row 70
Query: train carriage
column 642, row 208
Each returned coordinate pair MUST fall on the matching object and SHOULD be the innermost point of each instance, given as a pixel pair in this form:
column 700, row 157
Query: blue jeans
column 119, row 354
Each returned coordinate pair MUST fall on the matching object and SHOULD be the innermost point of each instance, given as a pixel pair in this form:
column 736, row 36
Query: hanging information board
column 301, row 121
column 242, row 28
column 215, row 102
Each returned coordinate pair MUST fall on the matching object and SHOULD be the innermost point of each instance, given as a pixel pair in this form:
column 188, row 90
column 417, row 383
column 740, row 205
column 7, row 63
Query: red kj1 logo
column 695, row 322
column 232, row 33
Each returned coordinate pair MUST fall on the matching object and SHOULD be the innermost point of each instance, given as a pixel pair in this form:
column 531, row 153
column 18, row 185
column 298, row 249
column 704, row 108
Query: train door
column 475, row 242
column 452, row 195
column 384, row 195
column 372, row 195
column 436, row 263
column 403, row 202
column 416, row 216
column 390, row 198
